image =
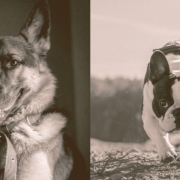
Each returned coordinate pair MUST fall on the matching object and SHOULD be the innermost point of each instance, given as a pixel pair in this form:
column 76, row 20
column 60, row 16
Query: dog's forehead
column 18, row 48
column 13, row 45
column 163, row 87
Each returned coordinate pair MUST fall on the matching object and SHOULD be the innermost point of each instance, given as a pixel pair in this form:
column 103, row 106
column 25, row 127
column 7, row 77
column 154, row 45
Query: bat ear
column 159, row 66
column 36, row 31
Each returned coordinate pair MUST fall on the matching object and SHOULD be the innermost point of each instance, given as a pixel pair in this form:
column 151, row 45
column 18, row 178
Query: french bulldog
column 161, row 98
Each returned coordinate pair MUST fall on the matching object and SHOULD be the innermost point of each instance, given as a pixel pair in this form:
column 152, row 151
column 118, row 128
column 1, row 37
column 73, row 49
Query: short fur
column 27, row 89
column 161, row 101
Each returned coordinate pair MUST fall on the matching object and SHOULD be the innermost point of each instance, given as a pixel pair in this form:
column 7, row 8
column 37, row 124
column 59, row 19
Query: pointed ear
column 159, row 66
column 37, row 29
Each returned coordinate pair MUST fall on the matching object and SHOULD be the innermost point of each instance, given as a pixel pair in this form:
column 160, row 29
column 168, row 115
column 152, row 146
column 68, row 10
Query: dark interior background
column 69, row 57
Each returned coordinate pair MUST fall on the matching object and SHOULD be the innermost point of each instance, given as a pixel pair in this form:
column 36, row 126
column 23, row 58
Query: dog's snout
column 176, row 112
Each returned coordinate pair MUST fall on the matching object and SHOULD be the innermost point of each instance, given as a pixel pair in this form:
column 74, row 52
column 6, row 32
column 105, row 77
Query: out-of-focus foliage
column 116, row 110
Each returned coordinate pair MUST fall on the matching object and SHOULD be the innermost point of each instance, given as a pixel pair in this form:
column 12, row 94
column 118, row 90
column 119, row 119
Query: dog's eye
column 12, row 63
column 164, row 103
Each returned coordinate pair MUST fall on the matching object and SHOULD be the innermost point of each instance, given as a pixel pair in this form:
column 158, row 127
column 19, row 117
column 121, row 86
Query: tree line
column 116, row 110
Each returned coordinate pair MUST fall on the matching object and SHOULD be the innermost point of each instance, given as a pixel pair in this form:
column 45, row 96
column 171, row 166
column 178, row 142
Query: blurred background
column 69, row 57
column 123, row 35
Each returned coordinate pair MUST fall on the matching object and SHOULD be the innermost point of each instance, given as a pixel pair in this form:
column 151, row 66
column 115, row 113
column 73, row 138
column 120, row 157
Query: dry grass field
column 122, row 161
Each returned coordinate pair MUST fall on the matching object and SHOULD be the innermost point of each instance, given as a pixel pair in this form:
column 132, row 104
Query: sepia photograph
column 135, row 90
column 44, row 90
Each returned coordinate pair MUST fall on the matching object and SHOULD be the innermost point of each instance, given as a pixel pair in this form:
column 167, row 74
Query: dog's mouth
column 174, row 131
column 8, row 104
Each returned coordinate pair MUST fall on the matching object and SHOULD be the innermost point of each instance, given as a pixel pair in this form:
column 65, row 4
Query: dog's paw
column 167, row 153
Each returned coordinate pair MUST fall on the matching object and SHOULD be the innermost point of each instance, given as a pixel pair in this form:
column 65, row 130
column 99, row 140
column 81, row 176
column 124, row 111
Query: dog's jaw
column 34, row 104
column 5, row 109
column 167, row 124
column 170, row 122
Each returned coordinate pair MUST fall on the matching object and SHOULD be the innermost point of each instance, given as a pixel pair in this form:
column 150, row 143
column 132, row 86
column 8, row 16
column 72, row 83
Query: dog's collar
column 31, row 120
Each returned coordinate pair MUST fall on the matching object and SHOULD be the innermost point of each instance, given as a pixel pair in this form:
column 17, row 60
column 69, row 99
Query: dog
column 27, row 90
column 161, row 98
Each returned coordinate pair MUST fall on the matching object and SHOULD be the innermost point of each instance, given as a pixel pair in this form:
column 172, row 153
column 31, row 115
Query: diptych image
column 89, row 90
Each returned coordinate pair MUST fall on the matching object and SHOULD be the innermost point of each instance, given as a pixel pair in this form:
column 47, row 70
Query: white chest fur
column 34, row 167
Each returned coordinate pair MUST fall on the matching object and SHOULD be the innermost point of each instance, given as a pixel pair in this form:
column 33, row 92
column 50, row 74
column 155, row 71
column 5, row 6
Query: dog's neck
column 31, row 120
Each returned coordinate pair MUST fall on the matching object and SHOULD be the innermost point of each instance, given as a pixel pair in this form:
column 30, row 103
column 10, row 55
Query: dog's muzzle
column 176, row 114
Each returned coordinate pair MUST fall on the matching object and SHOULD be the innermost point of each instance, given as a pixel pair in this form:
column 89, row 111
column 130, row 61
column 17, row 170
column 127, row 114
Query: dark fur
column 27, row 89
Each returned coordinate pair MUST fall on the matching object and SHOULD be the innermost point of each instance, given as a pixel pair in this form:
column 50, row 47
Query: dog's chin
column 167, row 123
column 175, row 131
column 9, row 108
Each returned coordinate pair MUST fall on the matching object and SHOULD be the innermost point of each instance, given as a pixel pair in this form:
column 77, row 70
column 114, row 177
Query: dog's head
column 22, row 62
column 166, row 91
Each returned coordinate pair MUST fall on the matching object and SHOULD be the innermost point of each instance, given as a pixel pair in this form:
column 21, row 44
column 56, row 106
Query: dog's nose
column 176, row 112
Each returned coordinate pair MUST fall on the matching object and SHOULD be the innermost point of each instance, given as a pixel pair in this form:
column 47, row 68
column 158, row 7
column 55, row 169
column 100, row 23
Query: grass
column 127, row 165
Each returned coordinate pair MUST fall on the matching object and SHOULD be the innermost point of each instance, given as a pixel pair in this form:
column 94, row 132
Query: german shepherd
column 27, row 89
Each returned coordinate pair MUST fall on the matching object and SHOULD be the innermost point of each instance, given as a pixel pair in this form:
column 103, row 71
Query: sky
column 124, row 33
